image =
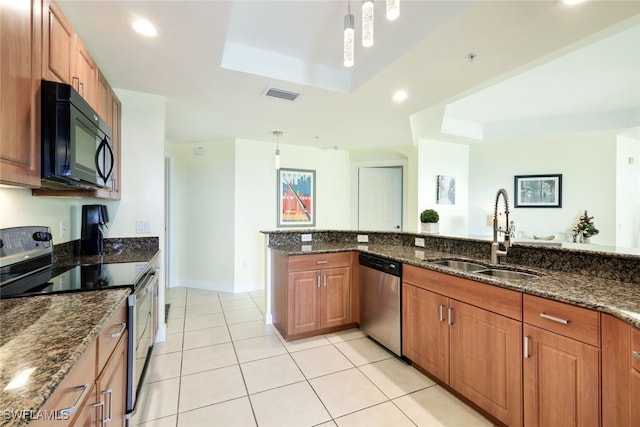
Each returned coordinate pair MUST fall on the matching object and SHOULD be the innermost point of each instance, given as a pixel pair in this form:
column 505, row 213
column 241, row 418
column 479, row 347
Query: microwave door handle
column 98, row 152
column 110, row 151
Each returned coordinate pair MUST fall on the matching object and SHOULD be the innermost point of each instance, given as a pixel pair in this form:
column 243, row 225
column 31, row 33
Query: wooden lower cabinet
column 620, row 373
column 425, row 337
column 112, row 386
column 475, row 351
column 312, row 294
column 561, row 380
column 319, row 299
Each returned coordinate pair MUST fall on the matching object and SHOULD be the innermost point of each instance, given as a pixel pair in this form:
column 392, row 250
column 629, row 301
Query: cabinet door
column 112, row 385
column 303, row 303
column 86, row 73
column 91, row 412
column 335, row 296
column 57, row 44
column 561, row 380
column 104, row 99
column 19, row 94
column 634, row 379
column 486, row 361
column 425, row 332
column 116, row 145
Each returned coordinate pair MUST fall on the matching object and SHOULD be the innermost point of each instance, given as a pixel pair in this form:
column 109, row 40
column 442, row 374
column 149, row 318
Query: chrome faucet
column 496, row 252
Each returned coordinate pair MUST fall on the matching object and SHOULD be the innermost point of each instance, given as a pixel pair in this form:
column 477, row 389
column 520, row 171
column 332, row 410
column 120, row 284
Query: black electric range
column 26, row 267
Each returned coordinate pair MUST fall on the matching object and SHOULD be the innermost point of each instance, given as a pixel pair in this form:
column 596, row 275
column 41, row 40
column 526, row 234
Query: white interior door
column 380, row 198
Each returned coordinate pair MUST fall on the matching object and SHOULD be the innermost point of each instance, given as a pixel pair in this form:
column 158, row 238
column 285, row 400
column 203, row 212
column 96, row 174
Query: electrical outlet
column 306, row 237
column 143, row 226
column 419, row 254
column 420, row 242
column 306, row 248
column 363, row 238
column 63, row 230
column 363, row 247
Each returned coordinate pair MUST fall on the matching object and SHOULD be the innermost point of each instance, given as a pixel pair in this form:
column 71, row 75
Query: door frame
column 355, row 186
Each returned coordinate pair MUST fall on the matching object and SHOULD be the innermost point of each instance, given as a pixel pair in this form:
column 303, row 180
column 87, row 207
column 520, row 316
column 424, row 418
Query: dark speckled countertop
column 49, row 333
column 621, row 299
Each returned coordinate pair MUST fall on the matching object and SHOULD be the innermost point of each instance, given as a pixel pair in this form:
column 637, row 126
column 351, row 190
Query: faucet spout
column 495, row 246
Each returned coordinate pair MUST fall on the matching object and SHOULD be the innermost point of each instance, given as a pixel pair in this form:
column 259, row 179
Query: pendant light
column 393, row 9
column 367, row 23
column 349, row 38
column 277, row 134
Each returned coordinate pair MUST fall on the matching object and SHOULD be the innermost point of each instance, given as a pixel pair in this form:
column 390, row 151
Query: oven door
column 141, row 337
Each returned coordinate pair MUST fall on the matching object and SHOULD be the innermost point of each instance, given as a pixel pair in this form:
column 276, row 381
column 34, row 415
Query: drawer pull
column 64, row 413
column 123, row 326
column 322, row 262
column 554, row 318
column 636, row 354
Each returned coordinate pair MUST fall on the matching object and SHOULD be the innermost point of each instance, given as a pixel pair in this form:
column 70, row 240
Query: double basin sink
column 471, row 267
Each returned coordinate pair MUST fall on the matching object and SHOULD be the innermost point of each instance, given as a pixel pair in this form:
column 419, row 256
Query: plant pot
column 430, row 227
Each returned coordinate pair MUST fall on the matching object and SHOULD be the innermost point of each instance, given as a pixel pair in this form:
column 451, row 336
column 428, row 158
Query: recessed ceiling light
column 571, row 2
column 144, row 27
column 400, row 95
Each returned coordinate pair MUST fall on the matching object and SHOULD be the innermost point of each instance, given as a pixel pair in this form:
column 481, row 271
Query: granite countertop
column 617, row 298
column 49, row 333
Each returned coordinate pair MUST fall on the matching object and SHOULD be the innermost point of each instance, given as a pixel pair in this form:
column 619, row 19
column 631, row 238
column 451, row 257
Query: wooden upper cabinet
column 58, row 40
column 64, row 57
column 19, row 94
column 104, row 109
column 85, row 74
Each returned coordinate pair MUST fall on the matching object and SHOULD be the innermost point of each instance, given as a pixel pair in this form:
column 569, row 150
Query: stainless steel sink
column 459, row 265
column 507, row 274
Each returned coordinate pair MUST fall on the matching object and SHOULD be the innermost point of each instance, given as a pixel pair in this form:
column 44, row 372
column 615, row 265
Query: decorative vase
column 430, row 227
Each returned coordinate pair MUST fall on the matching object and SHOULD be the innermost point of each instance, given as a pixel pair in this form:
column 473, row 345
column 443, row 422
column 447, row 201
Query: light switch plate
column 363, row 238
column 363, row 247
column 420, row 241
column 143, row 226
column 419, row 254
column 306, row 237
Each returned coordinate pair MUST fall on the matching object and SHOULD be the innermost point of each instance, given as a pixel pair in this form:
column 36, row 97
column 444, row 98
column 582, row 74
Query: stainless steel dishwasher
column 380, row 299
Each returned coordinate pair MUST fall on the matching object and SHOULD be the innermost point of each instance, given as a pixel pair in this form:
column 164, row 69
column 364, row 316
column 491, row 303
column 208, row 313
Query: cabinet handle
column 123, row 326
column 525, row 349
column 110, row 393
column 325, row 280
column 554, row 318
column 321, row 262
column 441, row 313
column 101, row 405
column 81, row 85
column 64, row 413
column 73, row 79
column 450, row 316
column 636, row 354
column 318, row 280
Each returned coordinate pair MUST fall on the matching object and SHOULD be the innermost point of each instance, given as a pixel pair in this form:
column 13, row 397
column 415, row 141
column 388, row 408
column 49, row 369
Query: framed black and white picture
column 446, row 190
column 538, row 191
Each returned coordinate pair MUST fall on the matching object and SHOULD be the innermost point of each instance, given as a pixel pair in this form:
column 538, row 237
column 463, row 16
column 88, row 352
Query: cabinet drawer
column 111, row 334
column 635, row 349
column 565, row 319
column 72, row 392
column 314, row 262
column 493, row 298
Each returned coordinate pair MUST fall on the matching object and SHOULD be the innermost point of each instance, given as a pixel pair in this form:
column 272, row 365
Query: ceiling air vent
column 287, row 95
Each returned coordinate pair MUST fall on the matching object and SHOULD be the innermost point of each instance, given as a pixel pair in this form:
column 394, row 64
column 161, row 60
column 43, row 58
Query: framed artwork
column 296, row 198
column 446, row 190
column 538, row 191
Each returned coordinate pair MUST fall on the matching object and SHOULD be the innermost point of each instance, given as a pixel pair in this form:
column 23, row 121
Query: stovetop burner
column 26, row 267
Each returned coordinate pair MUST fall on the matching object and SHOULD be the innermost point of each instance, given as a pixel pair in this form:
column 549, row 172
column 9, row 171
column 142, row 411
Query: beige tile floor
column 221, row 365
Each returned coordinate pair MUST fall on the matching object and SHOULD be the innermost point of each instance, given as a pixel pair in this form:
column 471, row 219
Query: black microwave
column 76, row 143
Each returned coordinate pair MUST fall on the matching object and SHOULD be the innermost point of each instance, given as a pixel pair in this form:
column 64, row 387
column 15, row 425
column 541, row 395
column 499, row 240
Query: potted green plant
column 429, row 221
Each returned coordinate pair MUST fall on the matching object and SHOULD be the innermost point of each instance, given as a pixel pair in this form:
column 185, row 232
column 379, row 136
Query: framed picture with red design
column 296, row 198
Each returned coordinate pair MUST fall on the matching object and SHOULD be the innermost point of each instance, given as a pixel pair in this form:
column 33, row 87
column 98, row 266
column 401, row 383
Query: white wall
column 448, row 159
column 628, row 192
column 228, row 195
column 588, row 168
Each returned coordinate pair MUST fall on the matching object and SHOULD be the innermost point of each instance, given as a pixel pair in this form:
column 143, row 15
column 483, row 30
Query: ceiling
column 538, row 65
